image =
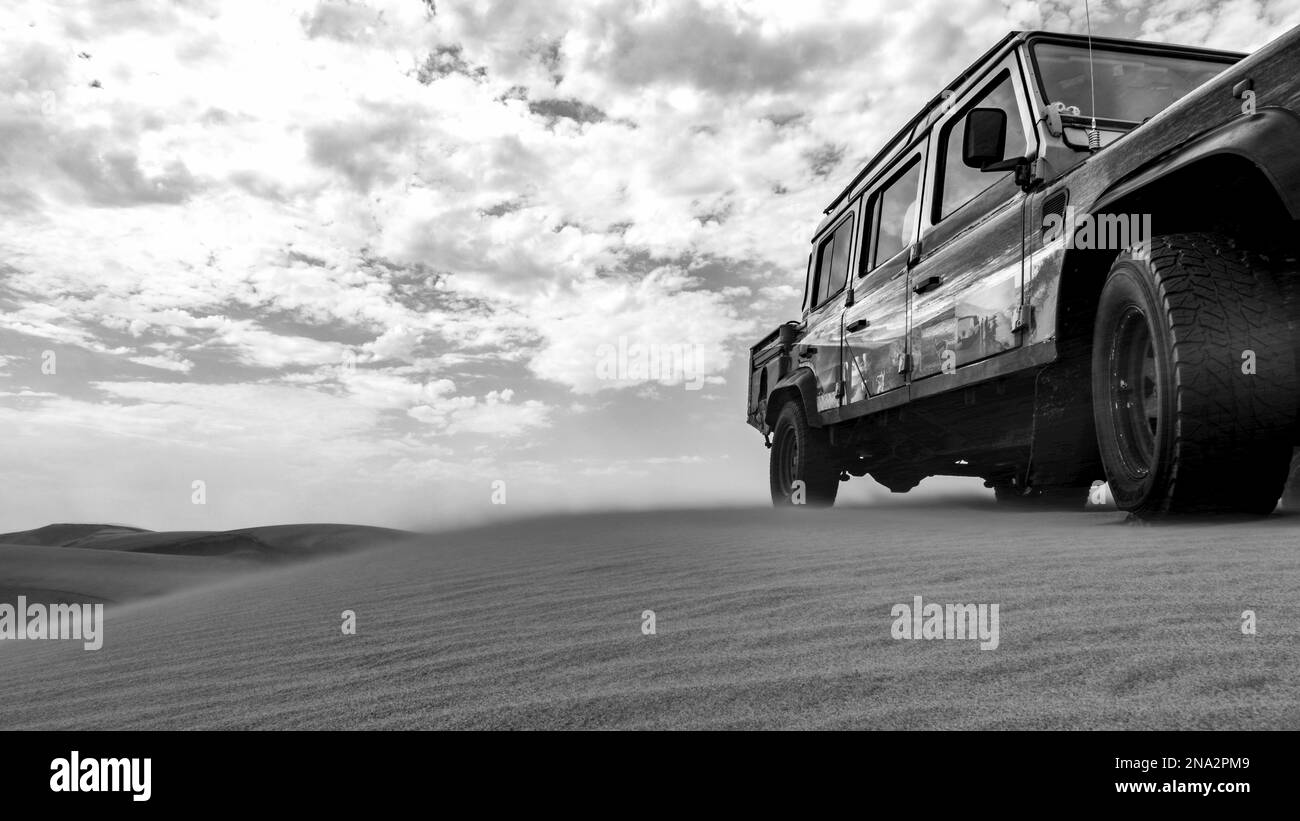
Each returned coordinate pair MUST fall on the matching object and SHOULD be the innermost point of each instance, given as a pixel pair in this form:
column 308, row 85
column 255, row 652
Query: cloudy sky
column 356, row 261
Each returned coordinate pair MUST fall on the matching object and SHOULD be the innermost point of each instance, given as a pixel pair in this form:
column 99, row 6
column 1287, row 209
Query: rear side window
column 960, row 183
column 833, row 261
column 899, row 206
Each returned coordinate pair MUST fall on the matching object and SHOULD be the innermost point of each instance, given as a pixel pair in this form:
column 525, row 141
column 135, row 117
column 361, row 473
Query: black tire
column 1181, row 426
column 1056, row 498
column 801, row 453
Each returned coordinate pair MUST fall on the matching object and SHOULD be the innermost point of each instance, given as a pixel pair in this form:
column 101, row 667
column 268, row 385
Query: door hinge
column 1024, row 319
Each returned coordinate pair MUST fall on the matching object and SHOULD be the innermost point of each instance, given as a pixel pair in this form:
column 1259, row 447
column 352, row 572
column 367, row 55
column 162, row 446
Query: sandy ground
column 764, row 620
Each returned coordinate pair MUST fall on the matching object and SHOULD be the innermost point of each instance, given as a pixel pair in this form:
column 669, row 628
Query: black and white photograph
column 650, row 365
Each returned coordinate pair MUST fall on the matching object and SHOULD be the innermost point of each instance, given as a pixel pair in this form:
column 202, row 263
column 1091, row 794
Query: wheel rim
column 1135, row 392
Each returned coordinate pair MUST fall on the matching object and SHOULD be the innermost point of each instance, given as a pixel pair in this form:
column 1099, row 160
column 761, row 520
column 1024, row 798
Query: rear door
column 820, row 346
column 875, row 326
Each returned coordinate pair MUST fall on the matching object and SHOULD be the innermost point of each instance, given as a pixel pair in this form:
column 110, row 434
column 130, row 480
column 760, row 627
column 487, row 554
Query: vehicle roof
column 920, row 121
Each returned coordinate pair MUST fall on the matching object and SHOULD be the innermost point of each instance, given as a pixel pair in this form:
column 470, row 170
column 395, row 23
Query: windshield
column 1131, row 86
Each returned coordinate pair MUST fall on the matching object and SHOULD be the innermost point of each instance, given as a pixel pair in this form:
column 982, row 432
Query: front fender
column 1267, row 138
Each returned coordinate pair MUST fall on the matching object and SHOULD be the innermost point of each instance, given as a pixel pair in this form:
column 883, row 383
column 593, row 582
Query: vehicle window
column 896, row 225
column 959, row 182
column 833, row 261
column 1130, row 86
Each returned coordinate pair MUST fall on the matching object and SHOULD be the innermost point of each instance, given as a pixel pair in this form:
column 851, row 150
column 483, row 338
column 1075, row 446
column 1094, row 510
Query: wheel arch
column 1246, row 203
column 800, row 385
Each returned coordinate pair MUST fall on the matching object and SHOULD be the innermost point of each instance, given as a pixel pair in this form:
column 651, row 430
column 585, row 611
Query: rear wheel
column 803, row 470
column 1193, row 380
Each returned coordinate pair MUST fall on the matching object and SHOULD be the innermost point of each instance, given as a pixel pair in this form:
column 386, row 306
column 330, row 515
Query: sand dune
column 764, row 620
column 114, row 563
column 77, row 574
column 66, row 535
column 272, row 542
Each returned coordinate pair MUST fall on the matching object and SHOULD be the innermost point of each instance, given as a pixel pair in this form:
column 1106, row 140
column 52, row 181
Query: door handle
column 927, row 284
column 855, row 326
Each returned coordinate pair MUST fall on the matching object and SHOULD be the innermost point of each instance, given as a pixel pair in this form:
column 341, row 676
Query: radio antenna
column 1094, row 136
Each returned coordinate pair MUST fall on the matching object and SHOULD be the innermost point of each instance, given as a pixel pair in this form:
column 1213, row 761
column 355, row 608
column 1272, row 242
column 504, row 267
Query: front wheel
column 1193, row 380
column 803, row 470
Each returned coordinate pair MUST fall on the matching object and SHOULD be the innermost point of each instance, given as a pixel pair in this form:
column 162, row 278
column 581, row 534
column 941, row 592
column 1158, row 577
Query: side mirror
column 985, row 140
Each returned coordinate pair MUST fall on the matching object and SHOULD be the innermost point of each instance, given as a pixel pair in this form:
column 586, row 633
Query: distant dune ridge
column 765, row 619
column 67, row 535
column 118, row 563
column 274, row 541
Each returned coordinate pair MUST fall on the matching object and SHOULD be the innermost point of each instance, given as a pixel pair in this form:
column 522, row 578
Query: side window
column 959, row 183
column 896, row 216
column 833, row 261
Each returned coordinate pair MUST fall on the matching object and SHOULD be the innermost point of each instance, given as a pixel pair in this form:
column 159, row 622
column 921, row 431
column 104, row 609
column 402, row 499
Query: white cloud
column 491, row 415
column 167, row 362
column 666, row 308
column 253, row 345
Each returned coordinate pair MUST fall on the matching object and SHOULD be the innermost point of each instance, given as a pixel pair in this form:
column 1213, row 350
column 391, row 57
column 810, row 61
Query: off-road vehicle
column 1077, row 262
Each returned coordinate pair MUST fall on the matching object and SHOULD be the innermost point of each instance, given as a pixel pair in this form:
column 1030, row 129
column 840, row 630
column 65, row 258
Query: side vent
column 1055, row 204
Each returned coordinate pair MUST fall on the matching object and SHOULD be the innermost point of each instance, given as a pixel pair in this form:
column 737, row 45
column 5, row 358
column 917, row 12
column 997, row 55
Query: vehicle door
column 819, row 348
column 966, row 287
column 875, row 325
